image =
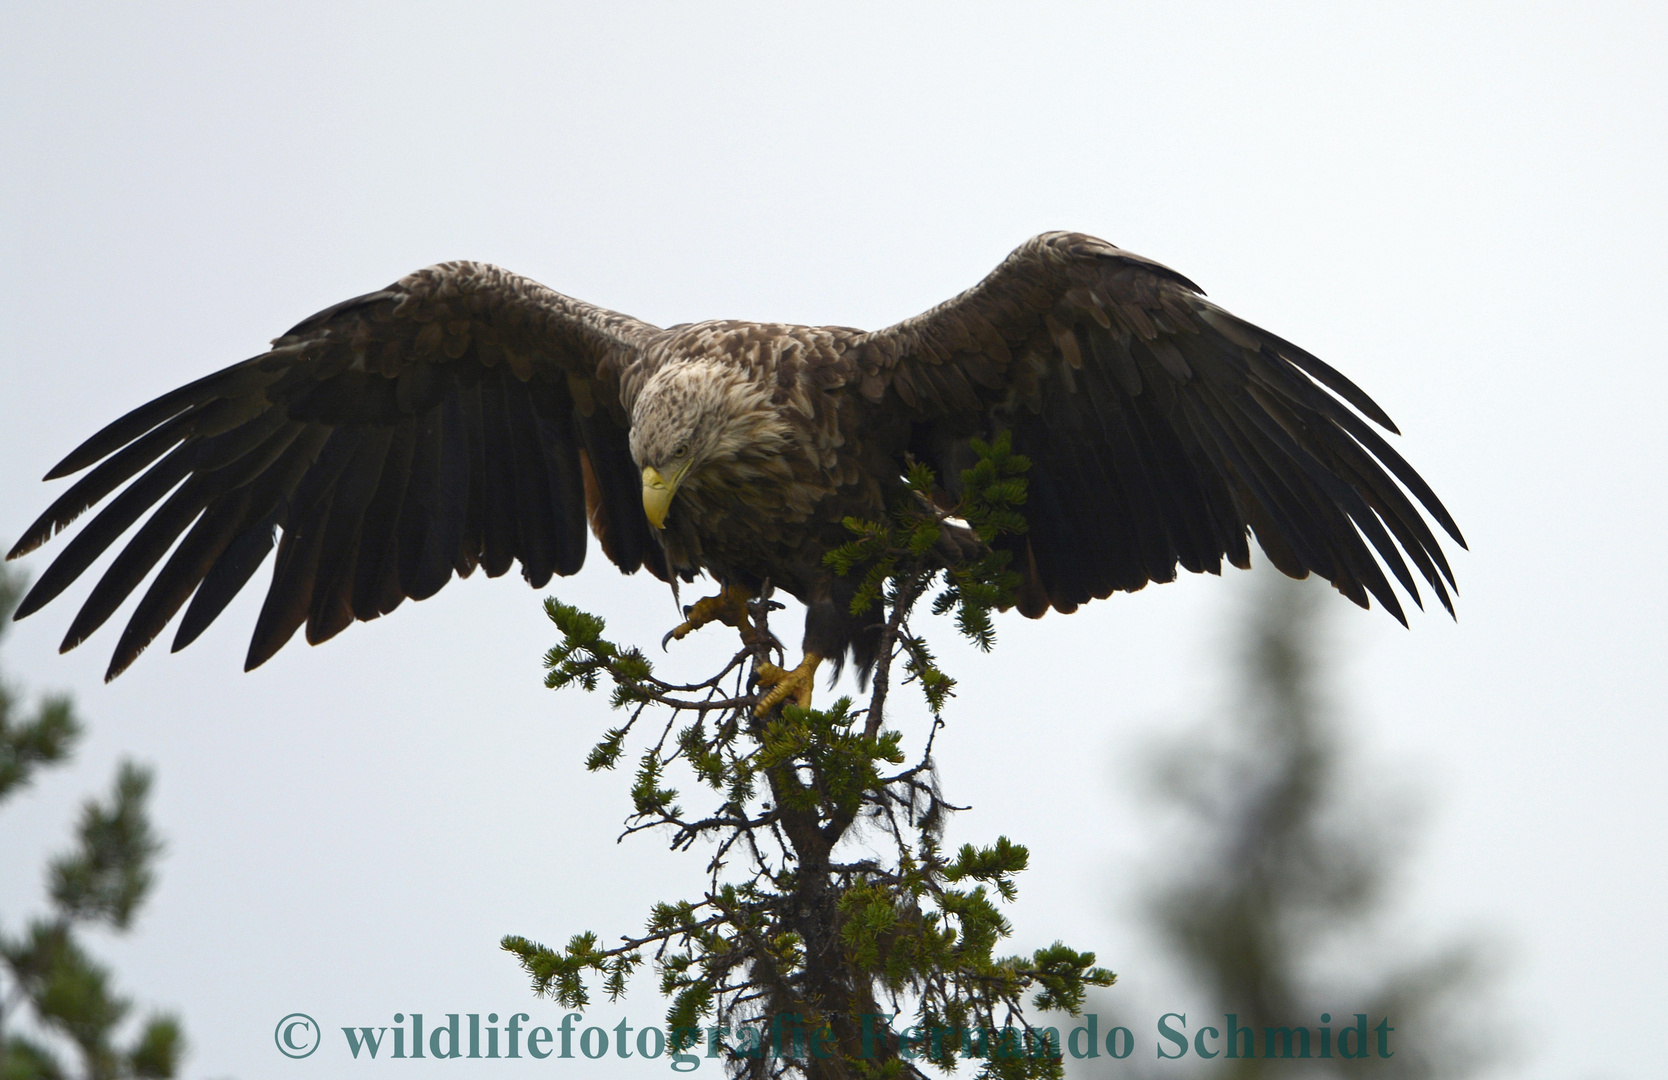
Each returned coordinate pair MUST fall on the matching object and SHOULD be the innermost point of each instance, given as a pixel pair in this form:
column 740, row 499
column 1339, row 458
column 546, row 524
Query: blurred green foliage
column 1274, row 895
column 101, row 881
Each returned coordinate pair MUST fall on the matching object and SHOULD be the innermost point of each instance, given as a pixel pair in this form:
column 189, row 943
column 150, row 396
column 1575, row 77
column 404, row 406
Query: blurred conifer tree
column 1273, row 899
column 102, row 881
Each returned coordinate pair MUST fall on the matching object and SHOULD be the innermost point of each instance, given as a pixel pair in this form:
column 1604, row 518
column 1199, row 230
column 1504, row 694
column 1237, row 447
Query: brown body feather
column 468, row 417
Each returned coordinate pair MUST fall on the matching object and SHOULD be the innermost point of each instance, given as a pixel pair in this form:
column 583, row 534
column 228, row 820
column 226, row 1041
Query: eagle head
column 695, row 417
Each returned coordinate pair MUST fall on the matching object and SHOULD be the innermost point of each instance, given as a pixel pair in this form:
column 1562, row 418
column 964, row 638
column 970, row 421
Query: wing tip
column 32, row 603
column 120, row 661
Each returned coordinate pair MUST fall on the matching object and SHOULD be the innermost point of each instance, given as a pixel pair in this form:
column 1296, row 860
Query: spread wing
column 462, row 417
column 1161, row 430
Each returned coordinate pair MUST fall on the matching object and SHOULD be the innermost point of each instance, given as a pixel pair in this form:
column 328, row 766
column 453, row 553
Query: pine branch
column 783, row 928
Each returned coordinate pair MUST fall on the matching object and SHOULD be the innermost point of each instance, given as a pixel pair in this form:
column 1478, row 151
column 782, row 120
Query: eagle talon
column 796, row 684
column 728, row 607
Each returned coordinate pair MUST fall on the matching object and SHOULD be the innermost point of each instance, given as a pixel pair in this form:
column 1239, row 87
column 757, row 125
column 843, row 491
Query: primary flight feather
column 466, row 416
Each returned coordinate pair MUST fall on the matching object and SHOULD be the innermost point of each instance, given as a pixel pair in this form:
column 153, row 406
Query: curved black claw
column 729, row 606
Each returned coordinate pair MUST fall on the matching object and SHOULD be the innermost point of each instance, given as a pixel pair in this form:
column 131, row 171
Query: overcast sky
column 1461, row 206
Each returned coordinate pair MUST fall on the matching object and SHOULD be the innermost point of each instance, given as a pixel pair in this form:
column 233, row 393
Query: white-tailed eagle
column 468, row 417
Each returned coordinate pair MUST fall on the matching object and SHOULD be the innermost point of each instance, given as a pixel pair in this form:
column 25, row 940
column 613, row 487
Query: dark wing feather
column 375, row 568
column 462, row 417
column 1162, row 431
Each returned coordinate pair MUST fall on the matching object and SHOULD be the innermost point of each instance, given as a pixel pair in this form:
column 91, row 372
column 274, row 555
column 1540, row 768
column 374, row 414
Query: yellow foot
column 728, row 607
column 796, row 684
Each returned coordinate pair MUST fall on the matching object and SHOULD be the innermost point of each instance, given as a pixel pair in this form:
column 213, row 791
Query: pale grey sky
column 1461, row 206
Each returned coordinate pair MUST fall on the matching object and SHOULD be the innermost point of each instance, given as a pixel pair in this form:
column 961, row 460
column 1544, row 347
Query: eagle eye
column 681, row 451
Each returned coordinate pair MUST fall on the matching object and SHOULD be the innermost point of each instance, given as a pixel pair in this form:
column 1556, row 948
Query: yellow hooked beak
column 657, row 494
